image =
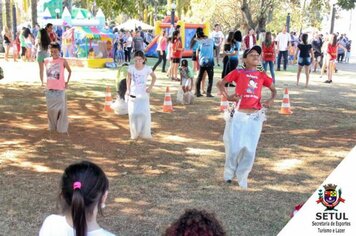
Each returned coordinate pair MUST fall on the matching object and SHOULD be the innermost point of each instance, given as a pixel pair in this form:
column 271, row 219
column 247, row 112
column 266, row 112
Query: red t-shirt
column 177, row 49
column 268, row 52
column 332, row 51
column 249, row 86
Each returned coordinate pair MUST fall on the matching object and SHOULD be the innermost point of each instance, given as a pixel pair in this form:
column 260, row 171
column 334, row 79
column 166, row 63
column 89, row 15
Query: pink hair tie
column 77, row 185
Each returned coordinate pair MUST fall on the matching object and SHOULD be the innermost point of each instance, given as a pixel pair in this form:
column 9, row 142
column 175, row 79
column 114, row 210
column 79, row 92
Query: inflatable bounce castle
column 85, row 41
column 187, row 31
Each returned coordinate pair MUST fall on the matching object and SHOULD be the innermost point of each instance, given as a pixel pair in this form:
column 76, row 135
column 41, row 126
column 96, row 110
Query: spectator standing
column 35, row 30
column 115, row 43
column 340, row 51
column 52, row 35
column 161, row 51
column 269, row 54
column 348, row 51
column 128, row 46
column 218, row 37
column 7, row 42
column 332, row 49
column 317, row 43
column 250, row 39
column 205, row 53
column 42, row 43
column 283, row 39
column 176, row 55
column 137, row 41
column 194, row 43
column 306, row 56
column 229, row 51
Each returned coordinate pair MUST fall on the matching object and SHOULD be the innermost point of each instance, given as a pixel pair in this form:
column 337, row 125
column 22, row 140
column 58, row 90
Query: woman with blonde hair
column 7, row 42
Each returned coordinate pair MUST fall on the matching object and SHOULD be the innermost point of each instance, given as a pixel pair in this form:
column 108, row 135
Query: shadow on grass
column 151, row 182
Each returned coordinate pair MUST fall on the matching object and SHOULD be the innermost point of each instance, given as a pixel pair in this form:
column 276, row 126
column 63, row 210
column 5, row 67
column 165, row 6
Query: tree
column 1, row 22
column 346, row 4
column 8, row 13
column 257, row 20
column 34, row 12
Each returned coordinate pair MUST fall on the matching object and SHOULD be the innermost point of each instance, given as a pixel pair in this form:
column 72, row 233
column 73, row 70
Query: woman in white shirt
column 84, row 189
column 138, row 93
column 128, row 46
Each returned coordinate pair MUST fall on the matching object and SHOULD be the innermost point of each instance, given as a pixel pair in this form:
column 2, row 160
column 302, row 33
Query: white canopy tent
column 133, row 24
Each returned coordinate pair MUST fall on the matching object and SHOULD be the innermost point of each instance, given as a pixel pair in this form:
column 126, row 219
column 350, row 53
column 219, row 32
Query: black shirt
column 6, row 39
column 304, row 50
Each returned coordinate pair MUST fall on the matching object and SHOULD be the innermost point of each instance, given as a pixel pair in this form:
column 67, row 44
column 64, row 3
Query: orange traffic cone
column 285, row 108
column 108, row 99
column 167, row 104
column 223, row 103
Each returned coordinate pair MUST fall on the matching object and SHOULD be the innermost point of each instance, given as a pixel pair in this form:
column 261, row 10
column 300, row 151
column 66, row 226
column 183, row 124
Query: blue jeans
column 271, row 68
column 283, row 54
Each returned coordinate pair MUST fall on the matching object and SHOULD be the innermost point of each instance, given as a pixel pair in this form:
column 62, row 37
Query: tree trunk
column 1, row 23
column 247, row 14
column 8, row 13
column 179, row 8
column 34, row 13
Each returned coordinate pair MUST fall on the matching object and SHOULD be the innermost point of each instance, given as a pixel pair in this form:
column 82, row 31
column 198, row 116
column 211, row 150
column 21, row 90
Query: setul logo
column 330, row 197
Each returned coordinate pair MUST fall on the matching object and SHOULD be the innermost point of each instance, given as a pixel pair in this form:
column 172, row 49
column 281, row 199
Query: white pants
column 140, row 117
column 57, row 111
column 241, row 135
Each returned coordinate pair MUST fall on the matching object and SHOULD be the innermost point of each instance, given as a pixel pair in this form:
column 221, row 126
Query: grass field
column 152, row 182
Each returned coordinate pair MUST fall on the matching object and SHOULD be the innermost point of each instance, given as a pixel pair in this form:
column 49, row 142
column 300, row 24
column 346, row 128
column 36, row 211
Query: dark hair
column 26, row 32
column 122, row 89
column 194, row 222
column 230, row 38
column 82, row 199
column 216, row 25
column 238, row 36
column 193, row 41
column 175, row 34
column 268, row 39
column 184, row 62
column 140, row 54
column 55, row 45
column 200, row 33
column 305, row 38
column 334, row 42
column 45, row 40
column 48, row 25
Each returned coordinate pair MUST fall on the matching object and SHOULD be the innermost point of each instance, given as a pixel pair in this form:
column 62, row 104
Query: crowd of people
column 24, row 45
column 308, row 51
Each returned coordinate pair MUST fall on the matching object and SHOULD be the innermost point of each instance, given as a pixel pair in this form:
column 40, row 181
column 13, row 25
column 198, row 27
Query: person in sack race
column 120, row 105
column 55, row 93
column 244, row 123
column 186, row 76
column 139, row 100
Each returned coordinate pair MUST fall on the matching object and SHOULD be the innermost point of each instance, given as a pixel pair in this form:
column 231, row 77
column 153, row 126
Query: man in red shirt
column 52, row 35
column 244, row 122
